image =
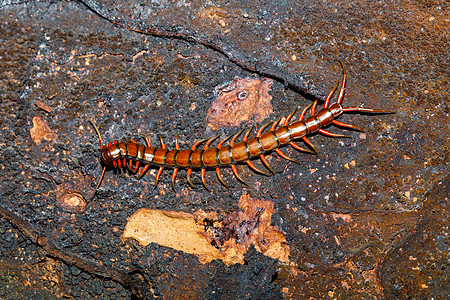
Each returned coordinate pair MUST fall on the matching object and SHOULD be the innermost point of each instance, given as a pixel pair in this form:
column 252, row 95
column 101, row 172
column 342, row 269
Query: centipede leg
column 189, row 171
column 275, row 124
column 136, row 167
column 308, row 142
column 327, row 133
column 203, row 171
column 143, row 171
column 223, row 141
column 330, row 95
column 174, row 174
column 303, row 113
column 233, row 167
column 280, row 153
column 258, row 134
column 305, row 139
column 188, row 177
column 297, row 147
column 345, row 125
column 254, row 168
column 163, row 146
column 313, row 108
column 202, row 176
column 288, row 118
column 247, row 133
column 175, row 170
column 286, row 123
column 261, row 156
column 233, row 139
column 219, row 175
column 160, row 170
column 177, row 144
column 265, row 162
column 148, row 141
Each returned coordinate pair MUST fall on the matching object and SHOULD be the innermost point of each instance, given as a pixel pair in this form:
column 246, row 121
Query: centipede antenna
column 98, row 184
column 104, row 168
column 98, row 133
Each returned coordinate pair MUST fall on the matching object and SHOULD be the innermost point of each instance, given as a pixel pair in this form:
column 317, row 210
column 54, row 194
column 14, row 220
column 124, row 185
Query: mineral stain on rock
column 209, row 237
column 243, row 101
column 72, row 201
column 41, row 131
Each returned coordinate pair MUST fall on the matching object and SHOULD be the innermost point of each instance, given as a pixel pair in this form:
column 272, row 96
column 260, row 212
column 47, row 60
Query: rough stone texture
column 365, row 218
column 242, row 102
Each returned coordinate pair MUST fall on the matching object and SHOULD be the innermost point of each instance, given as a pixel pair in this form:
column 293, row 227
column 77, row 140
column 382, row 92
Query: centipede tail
column 229, row 152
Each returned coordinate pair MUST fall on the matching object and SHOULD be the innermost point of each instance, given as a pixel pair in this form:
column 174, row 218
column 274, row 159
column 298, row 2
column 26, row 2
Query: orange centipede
column 139, row 157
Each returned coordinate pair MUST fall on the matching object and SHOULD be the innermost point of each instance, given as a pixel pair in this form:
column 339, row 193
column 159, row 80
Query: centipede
column 138, row 157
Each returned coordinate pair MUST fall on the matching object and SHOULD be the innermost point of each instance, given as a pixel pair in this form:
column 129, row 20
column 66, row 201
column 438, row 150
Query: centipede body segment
column 138, row 157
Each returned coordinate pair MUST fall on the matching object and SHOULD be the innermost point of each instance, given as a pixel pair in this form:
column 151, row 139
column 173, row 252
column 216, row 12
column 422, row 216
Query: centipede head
column 104, row 167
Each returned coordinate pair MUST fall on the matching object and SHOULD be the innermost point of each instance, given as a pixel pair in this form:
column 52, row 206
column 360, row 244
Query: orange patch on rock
column 244, row 100
column 202, row 235
column 70, row 200
column 43, row 106
column 177, row 230
column 214, row 15
column 41, row 131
